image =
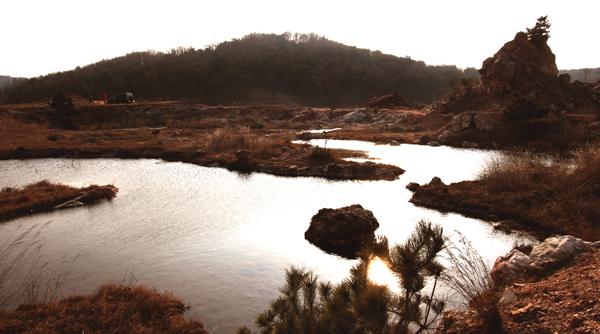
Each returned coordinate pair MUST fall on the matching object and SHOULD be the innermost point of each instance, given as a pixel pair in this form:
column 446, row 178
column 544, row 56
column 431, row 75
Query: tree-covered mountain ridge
column 311, row 69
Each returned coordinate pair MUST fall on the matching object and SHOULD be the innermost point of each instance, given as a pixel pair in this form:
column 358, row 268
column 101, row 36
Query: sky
column 39, row 37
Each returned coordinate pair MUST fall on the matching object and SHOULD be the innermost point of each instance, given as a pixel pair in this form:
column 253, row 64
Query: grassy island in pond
column 45, row 196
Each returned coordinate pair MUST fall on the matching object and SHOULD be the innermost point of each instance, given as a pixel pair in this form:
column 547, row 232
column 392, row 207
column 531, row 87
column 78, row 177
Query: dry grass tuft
column 19, row 257
column 228, row 139
column 519, row 171
column 469, row 276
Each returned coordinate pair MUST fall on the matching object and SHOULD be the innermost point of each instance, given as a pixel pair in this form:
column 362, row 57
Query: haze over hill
column 5, row 80
column 583, row 74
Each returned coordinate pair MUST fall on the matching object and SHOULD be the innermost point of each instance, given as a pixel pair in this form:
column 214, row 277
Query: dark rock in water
column 413, row 186
column 342, row 231
column 436, row 181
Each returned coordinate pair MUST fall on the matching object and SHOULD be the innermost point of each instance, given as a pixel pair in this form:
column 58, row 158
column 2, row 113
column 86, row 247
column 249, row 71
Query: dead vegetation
column 113, row 308
column 469, row 277
column 231, row 139
column 563, row 194
column 44, row 196
column 538, row 194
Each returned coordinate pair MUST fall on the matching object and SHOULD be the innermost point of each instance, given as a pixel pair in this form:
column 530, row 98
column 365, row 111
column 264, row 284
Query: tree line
column 318, row 71
column 584, row 74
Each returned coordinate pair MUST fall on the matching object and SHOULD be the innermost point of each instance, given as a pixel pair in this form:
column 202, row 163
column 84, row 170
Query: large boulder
column 507, row 268
column 342, row 231
column 555, row 251
column 480, row 122
column 356, row 116
column 550, row 254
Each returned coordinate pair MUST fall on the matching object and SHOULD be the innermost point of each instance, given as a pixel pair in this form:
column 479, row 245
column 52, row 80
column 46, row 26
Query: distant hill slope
column 584, row 74
column 311, row 68
column 5, row 80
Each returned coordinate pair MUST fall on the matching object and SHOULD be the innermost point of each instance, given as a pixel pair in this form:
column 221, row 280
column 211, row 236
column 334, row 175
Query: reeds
column 22, row 270
column 19, row 255
column 469, row 276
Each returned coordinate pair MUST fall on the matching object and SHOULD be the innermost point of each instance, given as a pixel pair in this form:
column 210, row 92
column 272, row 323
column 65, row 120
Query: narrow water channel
column 219, row 240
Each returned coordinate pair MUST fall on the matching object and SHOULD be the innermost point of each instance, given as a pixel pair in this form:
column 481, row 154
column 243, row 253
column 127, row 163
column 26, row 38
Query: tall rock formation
column 522, row 65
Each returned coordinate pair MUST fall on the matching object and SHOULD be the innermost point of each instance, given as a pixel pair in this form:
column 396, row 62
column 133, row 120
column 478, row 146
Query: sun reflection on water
column 379, row 273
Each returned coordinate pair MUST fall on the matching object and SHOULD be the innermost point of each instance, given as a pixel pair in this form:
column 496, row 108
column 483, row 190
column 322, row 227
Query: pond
column 220, row 240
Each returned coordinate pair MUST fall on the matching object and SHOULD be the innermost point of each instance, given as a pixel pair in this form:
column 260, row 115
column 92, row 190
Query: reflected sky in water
column 219, row 240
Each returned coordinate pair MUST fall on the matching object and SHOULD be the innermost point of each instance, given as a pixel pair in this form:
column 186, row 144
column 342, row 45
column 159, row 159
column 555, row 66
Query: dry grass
column 469, row 276
column 228, row 139
column 562, row 194
column 45, row 196
column 19, row 256
column 23, row 273
column 520, row 171
column 112, row 309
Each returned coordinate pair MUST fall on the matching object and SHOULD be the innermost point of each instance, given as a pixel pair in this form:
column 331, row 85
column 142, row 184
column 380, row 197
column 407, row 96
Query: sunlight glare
column 379, row 273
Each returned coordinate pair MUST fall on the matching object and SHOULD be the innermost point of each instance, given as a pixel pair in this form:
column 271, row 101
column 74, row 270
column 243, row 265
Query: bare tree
column 586, row 72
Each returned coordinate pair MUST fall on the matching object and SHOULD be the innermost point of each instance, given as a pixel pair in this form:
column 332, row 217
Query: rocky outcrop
column 519, row 66
column 391, row 100
column 356, row 116
column 522, row 66
column 481, row 122
column 567, row 301
column 310, row 115
column 549, row 255
column 342, row 231
column 436, row 195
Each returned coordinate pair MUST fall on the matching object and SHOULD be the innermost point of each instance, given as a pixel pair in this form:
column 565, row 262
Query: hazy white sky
column 41, row 37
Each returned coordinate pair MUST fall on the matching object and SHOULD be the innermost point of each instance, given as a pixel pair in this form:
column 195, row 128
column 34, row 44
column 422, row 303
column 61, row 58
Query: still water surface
column 219, row 240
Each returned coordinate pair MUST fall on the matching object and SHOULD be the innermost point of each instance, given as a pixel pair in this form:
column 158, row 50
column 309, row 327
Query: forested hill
column 315, row 70
column 5, row 80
